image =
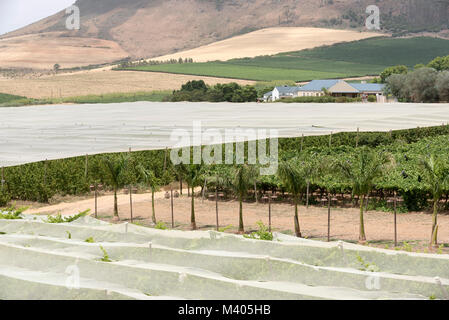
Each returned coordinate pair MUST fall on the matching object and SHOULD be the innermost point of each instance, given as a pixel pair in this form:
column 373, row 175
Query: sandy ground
column 268, row 42
column 96, row 83
column 344, row 221
column 43, row 51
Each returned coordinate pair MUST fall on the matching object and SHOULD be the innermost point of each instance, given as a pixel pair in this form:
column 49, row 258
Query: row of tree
column 358, row 170
column 421, row 85
column 145, row 62
column 438, row 64
column 197, row 90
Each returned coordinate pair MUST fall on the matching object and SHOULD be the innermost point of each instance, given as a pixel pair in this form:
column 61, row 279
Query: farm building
column 335, row 88
column 284, row 92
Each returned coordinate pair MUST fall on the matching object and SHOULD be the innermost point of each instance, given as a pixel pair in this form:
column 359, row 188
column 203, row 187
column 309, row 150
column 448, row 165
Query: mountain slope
column 150, row 28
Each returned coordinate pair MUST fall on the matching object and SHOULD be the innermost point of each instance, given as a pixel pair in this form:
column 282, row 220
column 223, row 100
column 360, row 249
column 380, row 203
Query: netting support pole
column 131, row 202
column 171, row 205
column 395, row 220
column 3, row 177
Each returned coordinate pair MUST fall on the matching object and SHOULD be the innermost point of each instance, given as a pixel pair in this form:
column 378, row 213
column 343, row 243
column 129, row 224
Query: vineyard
column 352, row 59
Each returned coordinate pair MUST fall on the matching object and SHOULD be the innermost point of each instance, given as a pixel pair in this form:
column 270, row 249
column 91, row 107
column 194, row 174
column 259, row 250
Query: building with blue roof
column 335, row 88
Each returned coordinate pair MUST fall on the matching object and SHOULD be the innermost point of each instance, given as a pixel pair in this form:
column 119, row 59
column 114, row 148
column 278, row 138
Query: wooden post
column 328, row 217
column 255, row 191
column 307, row 194
column 357, row 138
column 3, row 177
column 96, row 203
column 180, row 185
column 131, row 202
column 165, row 159
column 204, row 190
column 395, row 221
column 171, row 204
column 45, row 172
column 216, row 205
column 269, row 213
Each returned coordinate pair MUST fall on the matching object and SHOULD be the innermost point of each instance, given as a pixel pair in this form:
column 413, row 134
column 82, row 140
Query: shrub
column 60, row 219
column 12, row 213
column 4, row 199
column 105, row 257
column 261, row 234
column 372, row 99
column 161, row 226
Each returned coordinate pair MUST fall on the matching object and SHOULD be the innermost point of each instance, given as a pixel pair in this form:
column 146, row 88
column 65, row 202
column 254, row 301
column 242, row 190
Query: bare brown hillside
column 151, row 28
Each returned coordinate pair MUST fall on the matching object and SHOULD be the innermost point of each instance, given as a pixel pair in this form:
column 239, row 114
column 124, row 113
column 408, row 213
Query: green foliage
column 69, row 235
column 4, row 198
column 90, row 240
column 9, row 98
column 155, row 96
column 105, row 257
column 60, row 219
column 442, row 86
column 261, row 234
column 198, row 91
column 416, row 86
column 161, row 226
column 372, row 99
column 12, row 213
column 224, row 229
column 439, row 63
column 357, row 58
column 238, row 71
column 393, row 70
column 362, row 168
column 367, row 266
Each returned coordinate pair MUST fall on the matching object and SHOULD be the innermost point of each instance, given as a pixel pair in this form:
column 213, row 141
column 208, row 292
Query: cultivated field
column 224, row 70
column 268, row 42
column 99, row 82
column 358, row 58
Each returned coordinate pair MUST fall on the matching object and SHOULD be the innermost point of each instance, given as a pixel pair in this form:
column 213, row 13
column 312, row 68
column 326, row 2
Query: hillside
column 151, row 28
column 342, row 60
column 268, row 42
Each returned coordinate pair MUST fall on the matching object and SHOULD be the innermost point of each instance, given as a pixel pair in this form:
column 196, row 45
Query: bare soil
column 413, row 228
column 100, row 82
column 269, row 41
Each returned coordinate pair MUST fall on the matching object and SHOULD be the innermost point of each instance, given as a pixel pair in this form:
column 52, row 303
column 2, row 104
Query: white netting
column 42, row 260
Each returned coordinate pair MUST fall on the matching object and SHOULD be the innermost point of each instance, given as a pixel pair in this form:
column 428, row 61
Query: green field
column 7, row 98
column 358, row 58
column 228, row 70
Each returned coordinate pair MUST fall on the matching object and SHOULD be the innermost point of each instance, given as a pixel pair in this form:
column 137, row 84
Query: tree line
column 197, row 91
column 425, row 83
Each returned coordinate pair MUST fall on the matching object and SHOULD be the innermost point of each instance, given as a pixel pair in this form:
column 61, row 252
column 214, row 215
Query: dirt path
column 344, row 222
